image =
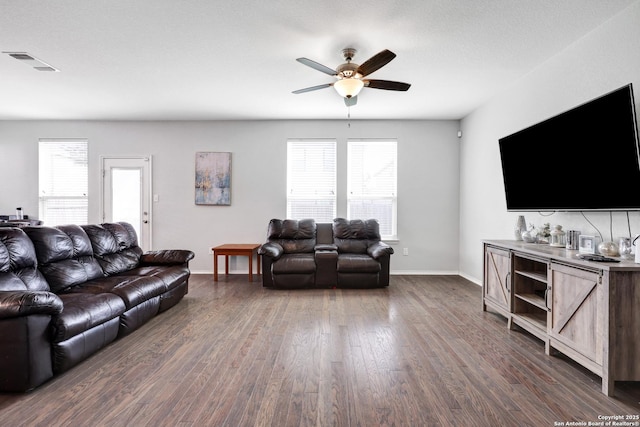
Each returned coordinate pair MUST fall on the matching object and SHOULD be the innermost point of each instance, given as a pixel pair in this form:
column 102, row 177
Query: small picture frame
column 587, row 244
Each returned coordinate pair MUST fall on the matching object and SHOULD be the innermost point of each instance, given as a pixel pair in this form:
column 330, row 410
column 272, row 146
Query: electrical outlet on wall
column 210, row 251
column 405, row 251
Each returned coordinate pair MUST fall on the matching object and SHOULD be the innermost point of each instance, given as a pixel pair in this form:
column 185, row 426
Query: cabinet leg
column 608, row 385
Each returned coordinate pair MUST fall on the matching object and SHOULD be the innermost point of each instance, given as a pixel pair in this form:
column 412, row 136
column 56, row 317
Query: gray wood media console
column 588, row 311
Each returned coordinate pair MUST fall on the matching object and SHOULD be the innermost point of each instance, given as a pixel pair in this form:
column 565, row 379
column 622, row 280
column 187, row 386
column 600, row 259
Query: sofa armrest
column 166, row 257
column 24, row 303
column 325, row 247
column 271, row 249
column 379, row 249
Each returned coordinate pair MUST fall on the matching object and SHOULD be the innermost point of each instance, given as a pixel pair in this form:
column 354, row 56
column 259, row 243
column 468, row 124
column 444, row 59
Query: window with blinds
column 372, row 183
column 63, row 182
column 311, row 179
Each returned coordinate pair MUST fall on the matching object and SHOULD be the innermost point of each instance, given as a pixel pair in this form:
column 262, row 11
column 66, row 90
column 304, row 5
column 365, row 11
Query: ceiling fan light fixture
column 348, row 88
column 350, row 75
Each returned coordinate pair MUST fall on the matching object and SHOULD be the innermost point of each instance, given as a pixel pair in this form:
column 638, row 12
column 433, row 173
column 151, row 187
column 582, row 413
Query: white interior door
column 126, row 194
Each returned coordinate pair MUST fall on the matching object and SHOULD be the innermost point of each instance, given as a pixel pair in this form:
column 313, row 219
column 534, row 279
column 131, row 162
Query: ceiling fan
column 351, row 75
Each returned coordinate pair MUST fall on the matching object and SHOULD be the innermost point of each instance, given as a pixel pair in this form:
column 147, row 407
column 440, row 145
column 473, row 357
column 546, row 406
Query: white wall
column 603, row 60
column 428, row 173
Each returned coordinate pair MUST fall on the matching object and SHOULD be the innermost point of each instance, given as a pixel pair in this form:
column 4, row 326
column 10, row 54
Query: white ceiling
column 209, row 59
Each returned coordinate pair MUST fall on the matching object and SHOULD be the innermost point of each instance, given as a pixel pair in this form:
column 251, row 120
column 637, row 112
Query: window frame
column 327, row 192
column 391, row 195
column 60, row 191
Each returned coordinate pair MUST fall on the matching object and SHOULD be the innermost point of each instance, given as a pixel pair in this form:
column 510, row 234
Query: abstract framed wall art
column 213, row 178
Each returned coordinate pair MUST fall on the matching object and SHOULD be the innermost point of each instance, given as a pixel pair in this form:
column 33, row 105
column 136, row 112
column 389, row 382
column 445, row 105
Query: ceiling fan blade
column 376, row 62
column 350, row 102
column 387, row 85
column 317, row 66
column 309, row 89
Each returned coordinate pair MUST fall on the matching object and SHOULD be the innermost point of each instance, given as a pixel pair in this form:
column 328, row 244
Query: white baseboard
column 435, row 273
column 472, row 279
column 423, row 273
column 392, row 273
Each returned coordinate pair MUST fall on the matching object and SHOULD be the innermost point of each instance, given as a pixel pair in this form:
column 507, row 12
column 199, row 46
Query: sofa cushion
column 115, row 246
column 295, row 236
column 295, row 264
column 355, row 236
column 18, row 263
column 83, row 311
column 171, row 276
column 357, row 263
column 133, row 290
column 65, row 255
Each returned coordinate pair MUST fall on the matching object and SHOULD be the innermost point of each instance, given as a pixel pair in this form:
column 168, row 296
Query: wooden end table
column 235, row 249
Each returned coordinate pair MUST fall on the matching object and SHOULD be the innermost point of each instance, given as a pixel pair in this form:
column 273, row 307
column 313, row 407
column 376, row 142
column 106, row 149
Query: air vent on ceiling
column 45, row 68
column 22, row 56
column 32, row 61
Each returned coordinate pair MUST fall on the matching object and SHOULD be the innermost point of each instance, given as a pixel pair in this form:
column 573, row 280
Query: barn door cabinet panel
column 585, row 310
column 577, row 325
column 497, row 280
column 623, row 317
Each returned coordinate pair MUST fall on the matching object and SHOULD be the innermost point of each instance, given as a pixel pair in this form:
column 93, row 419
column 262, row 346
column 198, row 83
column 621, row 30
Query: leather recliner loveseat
column 68, row 291
column 342, row 254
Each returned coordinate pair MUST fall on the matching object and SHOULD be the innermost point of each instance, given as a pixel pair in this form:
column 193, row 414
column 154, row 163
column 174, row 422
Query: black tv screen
column 584, row 159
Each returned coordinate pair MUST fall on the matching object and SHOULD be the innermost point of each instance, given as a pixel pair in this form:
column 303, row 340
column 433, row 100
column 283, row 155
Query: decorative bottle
column 521, row 226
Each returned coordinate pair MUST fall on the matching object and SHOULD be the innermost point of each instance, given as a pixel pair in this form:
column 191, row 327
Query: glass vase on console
column 529, row 236
column 544, row 233
column 558, row 237
column 521, row 227
column 625, row 247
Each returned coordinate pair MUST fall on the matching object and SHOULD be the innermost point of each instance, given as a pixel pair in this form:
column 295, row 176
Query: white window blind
column 372, row 183
column 63, row 182
column 311, row 179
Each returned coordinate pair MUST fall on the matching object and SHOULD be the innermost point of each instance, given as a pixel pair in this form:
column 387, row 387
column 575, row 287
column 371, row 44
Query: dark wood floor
column 419, row 353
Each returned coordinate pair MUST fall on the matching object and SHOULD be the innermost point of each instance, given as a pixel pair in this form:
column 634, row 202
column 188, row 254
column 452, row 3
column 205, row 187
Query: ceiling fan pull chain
column 349, row 116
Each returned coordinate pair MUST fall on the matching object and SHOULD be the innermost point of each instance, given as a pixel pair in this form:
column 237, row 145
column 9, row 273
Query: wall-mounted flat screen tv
column 584, row 159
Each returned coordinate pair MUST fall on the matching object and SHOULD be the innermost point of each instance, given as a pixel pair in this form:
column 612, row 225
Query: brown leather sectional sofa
column 68, row 291
column 342, row 254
